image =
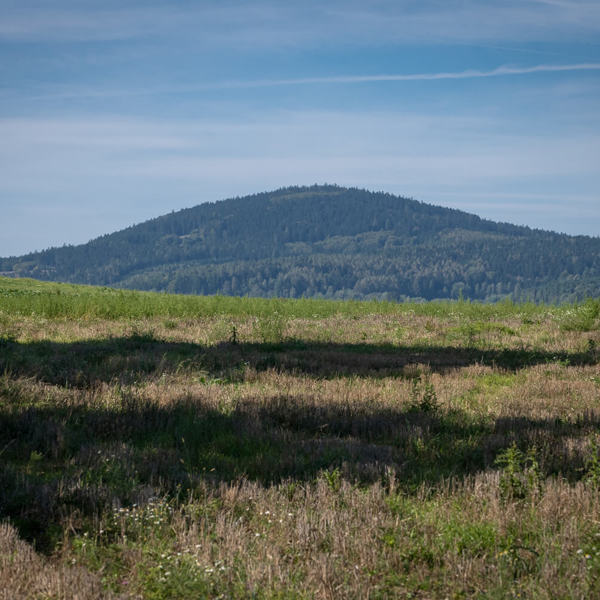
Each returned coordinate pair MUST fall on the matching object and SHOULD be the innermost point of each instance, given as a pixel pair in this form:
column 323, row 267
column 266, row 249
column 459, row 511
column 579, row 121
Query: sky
column 115, row 112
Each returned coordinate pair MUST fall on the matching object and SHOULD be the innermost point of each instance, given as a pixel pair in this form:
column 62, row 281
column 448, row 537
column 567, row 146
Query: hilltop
column 330, row 242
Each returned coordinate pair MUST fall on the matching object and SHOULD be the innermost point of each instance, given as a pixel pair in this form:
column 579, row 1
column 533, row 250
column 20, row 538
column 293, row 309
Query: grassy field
column 156, row 446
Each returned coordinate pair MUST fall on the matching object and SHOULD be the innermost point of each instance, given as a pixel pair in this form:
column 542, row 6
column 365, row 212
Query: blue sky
column 117, row 111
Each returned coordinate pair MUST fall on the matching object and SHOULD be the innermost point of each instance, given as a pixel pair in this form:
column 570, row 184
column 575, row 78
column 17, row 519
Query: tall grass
column 28, row 297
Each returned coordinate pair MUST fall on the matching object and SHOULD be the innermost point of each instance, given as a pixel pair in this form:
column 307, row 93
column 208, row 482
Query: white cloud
column 79, row 92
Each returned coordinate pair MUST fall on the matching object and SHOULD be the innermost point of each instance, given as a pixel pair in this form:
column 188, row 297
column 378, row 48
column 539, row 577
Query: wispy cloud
column 502, row 71
column 468, row 74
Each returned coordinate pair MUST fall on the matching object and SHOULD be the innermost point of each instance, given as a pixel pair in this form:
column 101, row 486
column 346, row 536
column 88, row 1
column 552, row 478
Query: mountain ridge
column 328, row 241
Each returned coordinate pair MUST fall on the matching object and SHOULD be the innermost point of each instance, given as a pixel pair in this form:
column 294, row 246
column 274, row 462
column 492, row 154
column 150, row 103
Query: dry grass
column 26, row 575
column 357, row 456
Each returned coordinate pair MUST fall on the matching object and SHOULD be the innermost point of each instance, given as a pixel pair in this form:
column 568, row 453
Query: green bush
column 583, row 317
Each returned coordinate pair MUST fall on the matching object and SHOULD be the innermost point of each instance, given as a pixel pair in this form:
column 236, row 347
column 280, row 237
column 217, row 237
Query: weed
column 333, row 478
column 518, row 559
column 592, row 465
column 520, row 475
column 423, row 397
column 35, row 457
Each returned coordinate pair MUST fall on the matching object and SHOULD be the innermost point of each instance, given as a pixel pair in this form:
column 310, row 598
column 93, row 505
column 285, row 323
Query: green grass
column 61, row 300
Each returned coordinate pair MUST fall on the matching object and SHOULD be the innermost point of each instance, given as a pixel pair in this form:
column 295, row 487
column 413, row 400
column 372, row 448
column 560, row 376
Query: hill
column 330, row 242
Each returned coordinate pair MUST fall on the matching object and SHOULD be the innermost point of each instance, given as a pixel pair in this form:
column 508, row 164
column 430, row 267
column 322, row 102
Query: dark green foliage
column 330, row 242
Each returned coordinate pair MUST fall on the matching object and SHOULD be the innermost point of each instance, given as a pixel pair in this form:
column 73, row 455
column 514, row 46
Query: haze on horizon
column 112, row 113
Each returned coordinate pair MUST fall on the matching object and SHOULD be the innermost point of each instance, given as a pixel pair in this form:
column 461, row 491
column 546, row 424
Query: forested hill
column 331, row 242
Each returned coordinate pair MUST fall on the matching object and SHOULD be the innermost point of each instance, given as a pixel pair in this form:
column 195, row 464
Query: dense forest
column 332, row 242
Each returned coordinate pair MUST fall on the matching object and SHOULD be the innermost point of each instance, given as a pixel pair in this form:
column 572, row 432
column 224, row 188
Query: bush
column 422, row 395
column 583, row 317
column 271, row 329
column 520, row 476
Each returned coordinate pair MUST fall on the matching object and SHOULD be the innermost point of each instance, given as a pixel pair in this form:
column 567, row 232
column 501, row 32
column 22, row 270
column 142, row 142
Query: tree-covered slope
column 332, row 242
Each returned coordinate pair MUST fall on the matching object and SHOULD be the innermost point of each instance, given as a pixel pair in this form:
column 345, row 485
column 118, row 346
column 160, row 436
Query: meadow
column 159, row 446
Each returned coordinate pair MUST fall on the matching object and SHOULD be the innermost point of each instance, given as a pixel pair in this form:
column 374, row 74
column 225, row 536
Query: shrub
column 423, row 397
column 520, row 475
column 270, row 329
column 583, row 317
